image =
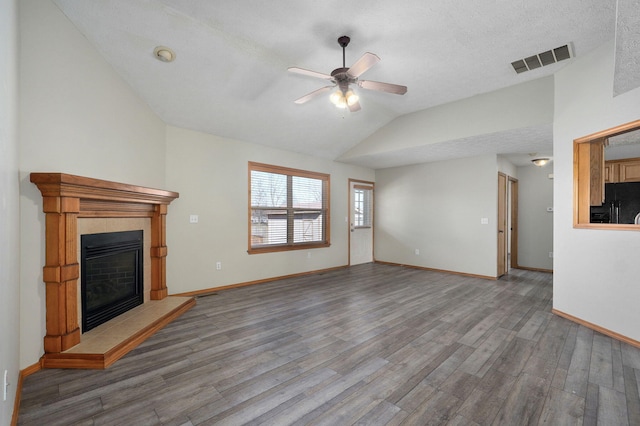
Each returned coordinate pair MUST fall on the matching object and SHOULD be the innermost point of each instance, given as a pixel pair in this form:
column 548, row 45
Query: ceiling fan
column 343, row 77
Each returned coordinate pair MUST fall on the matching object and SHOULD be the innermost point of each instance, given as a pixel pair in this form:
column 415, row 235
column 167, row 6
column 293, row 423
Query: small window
column 362, row 206
column 289, row 209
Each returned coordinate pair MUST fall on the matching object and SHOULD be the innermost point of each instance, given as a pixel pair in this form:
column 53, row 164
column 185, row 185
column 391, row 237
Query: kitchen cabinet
column 622, row 171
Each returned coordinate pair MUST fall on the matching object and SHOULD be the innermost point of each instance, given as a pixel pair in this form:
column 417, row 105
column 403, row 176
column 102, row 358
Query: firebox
column 112, row 275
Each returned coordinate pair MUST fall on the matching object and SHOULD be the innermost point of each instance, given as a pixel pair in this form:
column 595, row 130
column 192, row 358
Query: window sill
column 273, row 249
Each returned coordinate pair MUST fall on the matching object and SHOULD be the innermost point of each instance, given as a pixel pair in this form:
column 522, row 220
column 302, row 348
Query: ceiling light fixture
column 540, row 162
column 164, row 54
column 343, row 100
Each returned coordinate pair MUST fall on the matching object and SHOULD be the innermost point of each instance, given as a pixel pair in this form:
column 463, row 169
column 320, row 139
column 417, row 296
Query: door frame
column 509, row 211
column 513, row 231
column 502, row 266
column 349, row 212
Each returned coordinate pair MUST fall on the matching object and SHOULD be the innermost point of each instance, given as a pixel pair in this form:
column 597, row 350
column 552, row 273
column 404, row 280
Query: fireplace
column 111, row 275
column 76, row 206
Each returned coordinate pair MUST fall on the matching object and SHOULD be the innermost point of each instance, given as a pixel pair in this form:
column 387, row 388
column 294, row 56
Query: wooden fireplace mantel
column 67, row 198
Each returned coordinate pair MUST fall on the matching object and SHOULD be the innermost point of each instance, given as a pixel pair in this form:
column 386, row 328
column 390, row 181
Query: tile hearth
column 105, row 344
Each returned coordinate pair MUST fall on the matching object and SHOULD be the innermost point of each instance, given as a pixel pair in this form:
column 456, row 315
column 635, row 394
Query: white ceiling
column 230, row 75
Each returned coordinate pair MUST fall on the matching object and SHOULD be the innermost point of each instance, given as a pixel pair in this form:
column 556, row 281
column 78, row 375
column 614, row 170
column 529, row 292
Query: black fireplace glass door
column 112, row 281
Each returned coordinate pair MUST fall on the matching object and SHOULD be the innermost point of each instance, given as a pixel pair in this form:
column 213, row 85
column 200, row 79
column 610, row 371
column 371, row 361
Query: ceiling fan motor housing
column 342, row 79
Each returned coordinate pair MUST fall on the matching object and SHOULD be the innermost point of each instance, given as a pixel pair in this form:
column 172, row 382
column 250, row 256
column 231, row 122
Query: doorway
column 502, row 224
column 507, row 224
column 360, row 222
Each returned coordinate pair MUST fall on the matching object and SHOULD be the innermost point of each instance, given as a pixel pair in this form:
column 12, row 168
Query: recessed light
column 164, row 54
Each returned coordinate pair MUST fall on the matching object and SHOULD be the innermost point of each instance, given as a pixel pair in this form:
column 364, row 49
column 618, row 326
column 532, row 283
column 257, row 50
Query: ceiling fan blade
column 354, row 107
column 308, row 97
column 396, row 89
column 310, row 73
column 365, row 62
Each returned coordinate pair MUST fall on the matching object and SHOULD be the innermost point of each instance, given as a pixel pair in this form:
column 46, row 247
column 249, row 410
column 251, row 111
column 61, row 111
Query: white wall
column 535, row 223
column 596, row 271
column 436, row 208
column 524, row 105
column 9, row 212
column 211, row 175
column 77, row 116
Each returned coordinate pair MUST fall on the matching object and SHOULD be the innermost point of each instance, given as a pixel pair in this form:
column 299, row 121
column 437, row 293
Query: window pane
column 268, row 189
column 362, row 207
column 307, row 226
column 268, row 227
column 307, row 192
column 358, row 207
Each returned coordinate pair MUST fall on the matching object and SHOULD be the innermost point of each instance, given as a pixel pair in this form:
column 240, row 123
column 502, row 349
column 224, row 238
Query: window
column 289, row 209
column 362, row 206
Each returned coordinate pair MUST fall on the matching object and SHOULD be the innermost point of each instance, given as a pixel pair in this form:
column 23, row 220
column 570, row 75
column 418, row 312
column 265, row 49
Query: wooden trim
column 597, row 328
column 325, row 210
column 502, row 241
column 286, row 247
column 368, row 185
column 287, row 171
column 65, row 198
column 609, row 132
column 513, row 185
column 424, row 268
column 526, row 268
column 16, row 403
column 256, row 282
column 582, row 179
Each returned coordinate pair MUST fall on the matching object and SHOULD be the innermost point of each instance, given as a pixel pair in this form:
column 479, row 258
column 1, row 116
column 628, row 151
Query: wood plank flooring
column 369, row 345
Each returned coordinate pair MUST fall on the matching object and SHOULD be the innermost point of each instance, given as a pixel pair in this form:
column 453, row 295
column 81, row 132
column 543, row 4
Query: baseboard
column 597, row 328
column 526, row 268
column 16, row 404
column 248, row 283
column 484, row 277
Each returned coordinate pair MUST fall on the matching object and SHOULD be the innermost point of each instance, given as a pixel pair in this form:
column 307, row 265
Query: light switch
column 484, row 221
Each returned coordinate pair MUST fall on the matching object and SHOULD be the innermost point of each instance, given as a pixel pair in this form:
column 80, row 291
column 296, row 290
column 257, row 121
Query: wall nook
column 606, row 177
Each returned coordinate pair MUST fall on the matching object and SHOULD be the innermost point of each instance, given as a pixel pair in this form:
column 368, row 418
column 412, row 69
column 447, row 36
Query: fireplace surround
column 66, row 199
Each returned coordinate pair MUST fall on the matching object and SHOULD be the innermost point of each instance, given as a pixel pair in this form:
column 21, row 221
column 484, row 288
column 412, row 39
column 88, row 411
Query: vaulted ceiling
column 229, row 77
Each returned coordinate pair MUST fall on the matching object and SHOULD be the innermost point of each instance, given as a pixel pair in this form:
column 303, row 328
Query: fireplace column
column 61, row 273
column 159, row 252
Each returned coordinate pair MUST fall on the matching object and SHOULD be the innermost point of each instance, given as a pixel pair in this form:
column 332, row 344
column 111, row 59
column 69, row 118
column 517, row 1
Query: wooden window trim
column 583, row 180
column 326, row 179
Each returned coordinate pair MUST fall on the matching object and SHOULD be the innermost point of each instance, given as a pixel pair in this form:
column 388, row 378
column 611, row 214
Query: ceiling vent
column 542, row 59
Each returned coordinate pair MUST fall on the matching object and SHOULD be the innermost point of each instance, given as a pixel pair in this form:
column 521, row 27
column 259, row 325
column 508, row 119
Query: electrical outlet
column 218, row 265
column 308, row 255
column 550, row 255
column 193, row 218
column 417, row 252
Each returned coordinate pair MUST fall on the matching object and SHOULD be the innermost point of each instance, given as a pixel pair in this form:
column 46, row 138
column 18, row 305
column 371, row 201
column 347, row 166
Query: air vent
column 542, row 59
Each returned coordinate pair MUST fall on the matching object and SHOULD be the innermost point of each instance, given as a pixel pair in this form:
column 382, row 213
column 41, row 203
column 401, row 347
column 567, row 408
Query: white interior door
column 360, row 222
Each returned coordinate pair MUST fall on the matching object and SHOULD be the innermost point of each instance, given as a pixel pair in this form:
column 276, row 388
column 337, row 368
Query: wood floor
column 369, row 345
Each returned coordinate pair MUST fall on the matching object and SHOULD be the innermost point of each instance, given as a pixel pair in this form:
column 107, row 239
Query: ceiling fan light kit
column 342, row 78
column 343, row 100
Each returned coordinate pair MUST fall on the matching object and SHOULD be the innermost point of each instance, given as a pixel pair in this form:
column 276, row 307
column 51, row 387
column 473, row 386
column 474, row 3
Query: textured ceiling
column 230, row 76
